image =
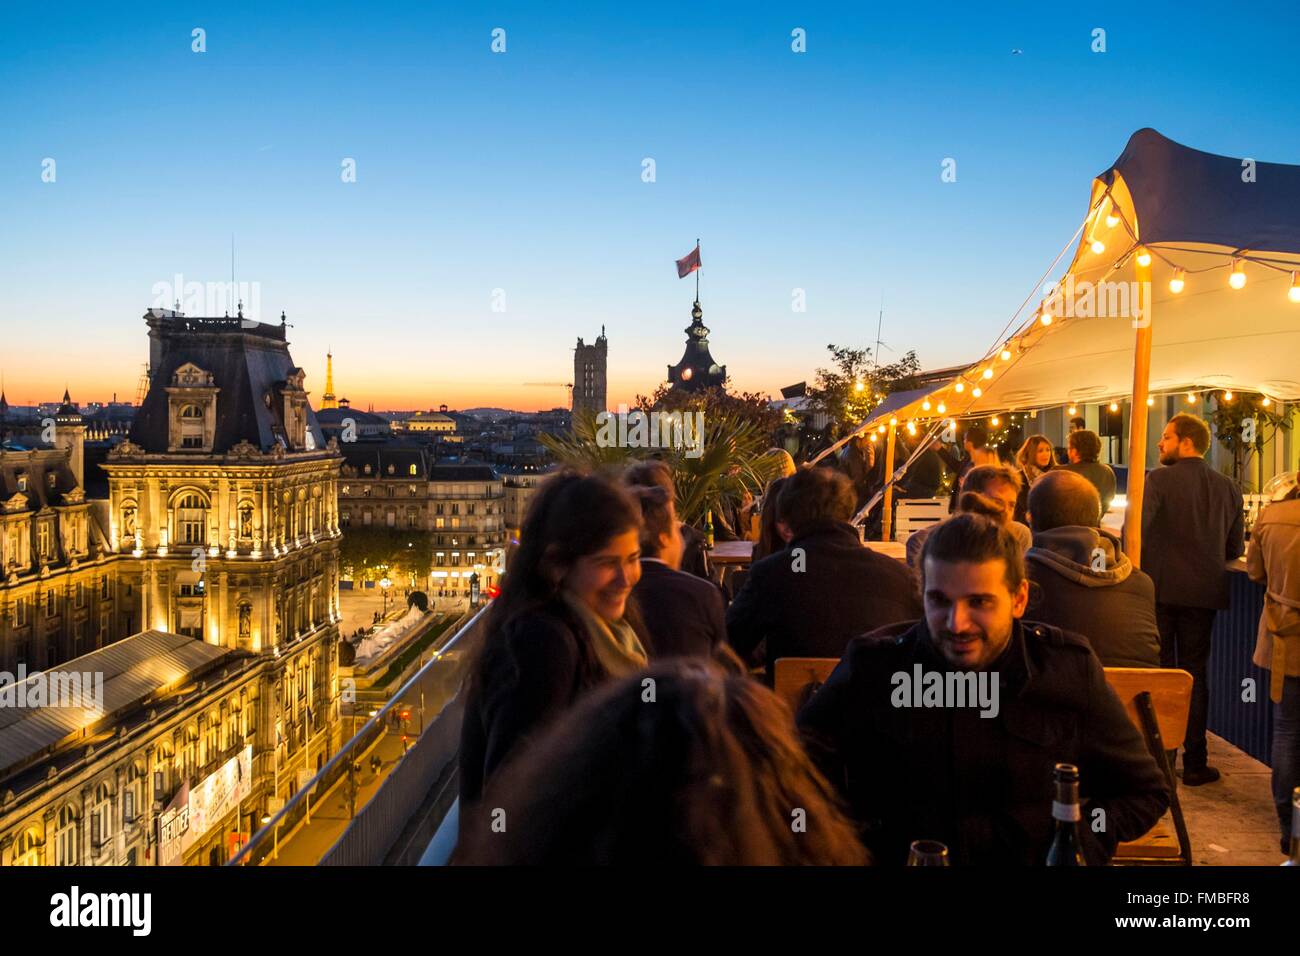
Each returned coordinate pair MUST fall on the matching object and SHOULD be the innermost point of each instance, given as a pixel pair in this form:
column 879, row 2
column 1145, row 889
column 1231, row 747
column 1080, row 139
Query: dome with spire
column 697, row 370
column 68, row 413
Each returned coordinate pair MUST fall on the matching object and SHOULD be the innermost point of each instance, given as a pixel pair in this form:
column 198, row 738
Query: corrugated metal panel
column 1246, row 725
column 132, row 669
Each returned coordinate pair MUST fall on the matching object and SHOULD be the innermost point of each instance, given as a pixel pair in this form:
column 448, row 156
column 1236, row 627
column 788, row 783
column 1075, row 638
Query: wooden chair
column 1157, row 701
column 913, row 514
column 795, row 679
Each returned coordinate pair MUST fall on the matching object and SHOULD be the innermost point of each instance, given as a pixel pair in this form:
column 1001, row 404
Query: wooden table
column 732, row 553
column 741, row 553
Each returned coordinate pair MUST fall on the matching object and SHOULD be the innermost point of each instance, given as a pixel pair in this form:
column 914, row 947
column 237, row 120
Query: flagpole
column 697, row 269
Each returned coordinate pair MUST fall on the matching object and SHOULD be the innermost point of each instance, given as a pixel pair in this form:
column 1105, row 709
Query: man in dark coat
column 1192, row 525
column 1085, row 583
column 1084, row 452
column 825, row 587
column 976, row 771
column 680, row 613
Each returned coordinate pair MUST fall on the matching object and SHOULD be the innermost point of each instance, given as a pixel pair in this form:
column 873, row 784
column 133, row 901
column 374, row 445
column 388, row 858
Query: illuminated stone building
column 219, row 546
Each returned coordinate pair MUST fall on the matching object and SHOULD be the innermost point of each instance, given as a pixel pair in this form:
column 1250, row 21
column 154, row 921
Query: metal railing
column 312, row 829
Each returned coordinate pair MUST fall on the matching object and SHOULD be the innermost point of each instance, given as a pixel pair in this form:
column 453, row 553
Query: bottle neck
column 1065, row 807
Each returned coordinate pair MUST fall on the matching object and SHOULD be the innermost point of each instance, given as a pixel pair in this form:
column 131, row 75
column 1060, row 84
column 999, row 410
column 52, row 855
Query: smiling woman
column 562, row 623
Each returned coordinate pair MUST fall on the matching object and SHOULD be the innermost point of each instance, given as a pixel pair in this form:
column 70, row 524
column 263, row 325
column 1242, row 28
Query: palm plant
column 733, row 459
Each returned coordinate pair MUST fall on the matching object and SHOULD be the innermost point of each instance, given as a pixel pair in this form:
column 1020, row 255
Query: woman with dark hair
column 560, row 625
column 1035, row 458
column 682, row 764
column 773, row 536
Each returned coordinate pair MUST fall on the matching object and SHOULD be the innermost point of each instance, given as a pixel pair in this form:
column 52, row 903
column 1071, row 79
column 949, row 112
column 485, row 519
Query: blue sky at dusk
column 522, row 171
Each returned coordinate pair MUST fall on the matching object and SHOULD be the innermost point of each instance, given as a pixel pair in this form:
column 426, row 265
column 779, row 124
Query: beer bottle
column 708, row 529
column 1067, row 847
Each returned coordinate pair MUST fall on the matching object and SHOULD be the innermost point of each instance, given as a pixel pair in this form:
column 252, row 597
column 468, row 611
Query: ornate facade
column 220, row 527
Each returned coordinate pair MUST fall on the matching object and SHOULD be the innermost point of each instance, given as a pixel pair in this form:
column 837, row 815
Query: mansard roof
column 248, row 362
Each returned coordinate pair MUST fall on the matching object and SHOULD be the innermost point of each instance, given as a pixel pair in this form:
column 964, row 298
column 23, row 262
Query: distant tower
column 697, row 370
column 589, row 362
column 328, row 400
column 70, row 435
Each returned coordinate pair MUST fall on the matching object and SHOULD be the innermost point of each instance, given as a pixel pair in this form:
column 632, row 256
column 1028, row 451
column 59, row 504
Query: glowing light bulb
column 959, row 387
column 893, row 420
column 1112, row 217
column 873, row 436
column 911, row 428
column 1006, row 355
column 988, row 373
column 1293, row 293
column 881, row 429
column 1045, row 317
column 994, row 421
column 1191, row 398
column 977, row 391
column 1072, row 410
column 1267, row 401
column 1114, row 406
column 1238, row 278
column 1177, row 283
column 925, row 405
column 1098, row 247
column 942, row 409
column 1143, row 257
column 1227, row 396
column 1151, row 401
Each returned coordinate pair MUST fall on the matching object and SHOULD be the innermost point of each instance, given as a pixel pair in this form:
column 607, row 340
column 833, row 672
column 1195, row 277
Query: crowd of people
column 620, row 709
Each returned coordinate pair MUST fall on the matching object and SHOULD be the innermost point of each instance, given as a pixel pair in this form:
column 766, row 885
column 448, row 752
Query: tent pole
column 1137, row 439
column 887, row 512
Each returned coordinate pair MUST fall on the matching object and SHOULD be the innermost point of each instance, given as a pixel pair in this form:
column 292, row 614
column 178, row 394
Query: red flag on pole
column 688, row 263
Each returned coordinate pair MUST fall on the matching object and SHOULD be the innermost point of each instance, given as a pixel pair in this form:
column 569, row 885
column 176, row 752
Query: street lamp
column 385, row 584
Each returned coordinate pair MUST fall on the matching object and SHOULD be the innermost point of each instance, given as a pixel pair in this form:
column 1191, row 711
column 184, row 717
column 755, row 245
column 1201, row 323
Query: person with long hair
column 773, row 535
column 562, row 623
column 681, row 764
column 1035, row 458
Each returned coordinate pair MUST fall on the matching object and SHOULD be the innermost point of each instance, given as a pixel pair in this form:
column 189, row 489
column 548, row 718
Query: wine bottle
column 708, row 529
column 1067, row 847
column 1295, row 829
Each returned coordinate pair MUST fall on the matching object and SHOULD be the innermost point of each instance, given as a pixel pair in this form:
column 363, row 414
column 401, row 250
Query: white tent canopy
column 1200, row 217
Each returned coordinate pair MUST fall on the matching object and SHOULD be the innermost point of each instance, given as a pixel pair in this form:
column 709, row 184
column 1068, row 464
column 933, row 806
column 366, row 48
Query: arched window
column 191, row 519
column 101, row 816
column 66, row 844
column 27, row 848
column 133, row 795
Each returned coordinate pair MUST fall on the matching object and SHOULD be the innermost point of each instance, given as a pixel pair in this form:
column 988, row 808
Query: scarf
column 616, row 645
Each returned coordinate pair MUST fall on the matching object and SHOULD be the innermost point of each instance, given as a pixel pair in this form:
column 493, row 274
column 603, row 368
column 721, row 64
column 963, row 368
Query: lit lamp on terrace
column 384, row 585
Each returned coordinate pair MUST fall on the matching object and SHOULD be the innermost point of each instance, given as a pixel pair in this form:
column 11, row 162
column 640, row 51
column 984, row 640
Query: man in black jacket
column 681, row 614
column 825, row 587
column 1085, row 583
column 974, row 770
column 1191, row 527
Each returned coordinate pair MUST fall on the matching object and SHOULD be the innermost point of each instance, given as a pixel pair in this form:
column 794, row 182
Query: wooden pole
column 887, row 515
column 1137, row 439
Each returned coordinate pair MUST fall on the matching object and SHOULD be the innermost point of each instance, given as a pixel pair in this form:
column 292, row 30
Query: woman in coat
column 561, row 625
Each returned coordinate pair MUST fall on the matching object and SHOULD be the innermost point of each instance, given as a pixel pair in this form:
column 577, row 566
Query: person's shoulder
column 886, row 642
column 1055, row 639
column 542, row 630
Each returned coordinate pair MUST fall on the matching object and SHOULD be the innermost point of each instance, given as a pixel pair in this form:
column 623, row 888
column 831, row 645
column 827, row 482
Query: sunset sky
column 522, row 172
